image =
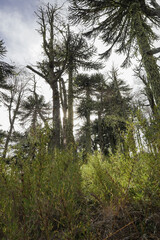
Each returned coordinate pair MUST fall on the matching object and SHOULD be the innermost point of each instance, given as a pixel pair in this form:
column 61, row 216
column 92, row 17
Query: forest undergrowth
column 64, row 196
column 86, row 164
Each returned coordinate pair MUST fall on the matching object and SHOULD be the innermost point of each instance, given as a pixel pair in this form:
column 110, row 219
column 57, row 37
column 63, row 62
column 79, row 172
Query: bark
column 154, row 51
column 55, row 66
column 149, row 94
column 150, row 99
column 149, row 61
column 63, row 97
column 55, row 139
column 112, row 141
column 88, row 127
column 70, row 139
column 100, row 132
column 156, row 10
column 52, row 80
column 35, row 71
column 100, row 110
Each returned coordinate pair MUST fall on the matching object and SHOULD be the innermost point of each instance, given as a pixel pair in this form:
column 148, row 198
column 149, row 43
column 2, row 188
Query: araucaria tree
column 12, row 100
column 33, row 109
column 85, row 88
column 125, row 25
column 80, row 54
column 52, row 31
column 6, row 70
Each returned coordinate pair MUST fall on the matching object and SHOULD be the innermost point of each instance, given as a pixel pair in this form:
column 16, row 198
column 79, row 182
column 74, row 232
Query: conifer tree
column 12, row 100
column 53, row 32
column 6, row 70
column 125, row 25
column 86, row 87
column 112, row 109
column 33, row 109
column 80, row 53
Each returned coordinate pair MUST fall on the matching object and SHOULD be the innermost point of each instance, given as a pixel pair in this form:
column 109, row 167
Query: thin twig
column 119, row 230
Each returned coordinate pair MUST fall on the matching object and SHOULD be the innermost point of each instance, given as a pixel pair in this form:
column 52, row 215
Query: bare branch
column 155, row 11
column 35, row 71
column 154, row 51
column 155, row 4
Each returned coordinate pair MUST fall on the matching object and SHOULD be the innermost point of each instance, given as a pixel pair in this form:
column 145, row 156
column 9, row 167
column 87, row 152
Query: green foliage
column 48, row 193
column 127, row 179
column 97, row 181
column 33, row 108
column 57, row 196
column 41, row 194
column 136, row 169
column 117, row 27
column 6, row 70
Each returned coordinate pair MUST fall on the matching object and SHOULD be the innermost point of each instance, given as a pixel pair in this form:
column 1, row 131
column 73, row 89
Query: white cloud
column 23, row 45
column 21, row 39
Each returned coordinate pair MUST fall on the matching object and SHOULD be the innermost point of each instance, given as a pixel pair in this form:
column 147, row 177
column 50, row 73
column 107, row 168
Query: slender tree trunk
column 100, row 109
column 55, row 138
column 149, row 61
column 149, row 93
column 100, row 136
column 151, row 100
column 63, row 97
column 88, row 127
column 70, row 107
column 12, row 121
column 88, row 134
column 112, row 140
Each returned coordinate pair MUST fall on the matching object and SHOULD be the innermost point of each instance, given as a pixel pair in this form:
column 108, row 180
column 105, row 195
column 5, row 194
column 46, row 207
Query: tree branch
column 155, row 4
column 35, row 71
column 156, row 8
column 154, row 51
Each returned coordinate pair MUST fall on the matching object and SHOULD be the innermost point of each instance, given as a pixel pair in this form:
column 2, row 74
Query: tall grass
column 58, row 196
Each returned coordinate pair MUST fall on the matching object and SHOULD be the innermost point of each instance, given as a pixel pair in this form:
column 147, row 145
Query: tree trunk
column 55, row 137
column 88, row 127
column 100, row 132
column 63, row 97
column 70, row 108
column 149, row 61
column 150, row 98
column 12, row 121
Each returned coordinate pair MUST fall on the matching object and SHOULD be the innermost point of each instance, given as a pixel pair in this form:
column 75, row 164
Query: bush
column 41, row 196
column 58, row 196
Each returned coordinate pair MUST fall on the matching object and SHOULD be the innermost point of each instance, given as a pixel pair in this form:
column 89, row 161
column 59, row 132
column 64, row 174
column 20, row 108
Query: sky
column 23, row 43
column 17, row 29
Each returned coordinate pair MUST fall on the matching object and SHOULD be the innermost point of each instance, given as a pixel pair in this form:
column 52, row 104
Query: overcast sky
column 17, row 29
column 23, row 43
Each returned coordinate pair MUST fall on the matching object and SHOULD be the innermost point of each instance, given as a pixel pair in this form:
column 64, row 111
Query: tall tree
column 140, row 73
column 6, row 70
column 121, row 93
column 80, row 54
column 33, row 109
column 86, row 86
column 52, row 30
column 112, row 108
column 12, row 100
column 125, row 24
column 64, row 104
column 102, row 92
